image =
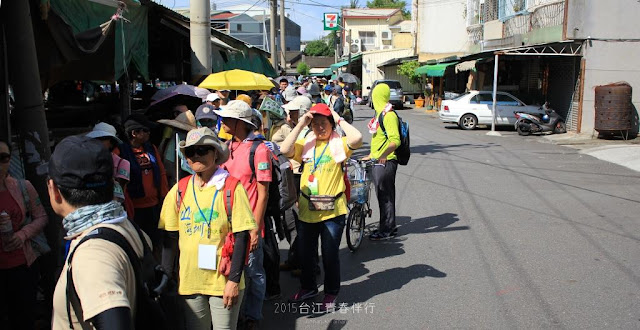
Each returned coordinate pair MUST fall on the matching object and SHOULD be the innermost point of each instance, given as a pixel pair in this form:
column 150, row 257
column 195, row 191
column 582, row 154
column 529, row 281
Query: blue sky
column 307, row 13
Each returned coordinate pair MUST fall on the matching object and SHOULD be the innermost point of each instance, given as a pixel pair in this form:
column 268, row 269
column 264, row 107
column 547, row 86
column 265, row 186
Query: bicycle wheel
column 355, row 227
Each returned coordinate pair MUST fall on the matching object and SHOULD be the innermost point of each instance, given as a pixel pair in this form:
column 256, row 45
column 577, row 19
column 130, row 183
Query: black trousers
column 18, row 290
column 271, row 260
column 384, row 179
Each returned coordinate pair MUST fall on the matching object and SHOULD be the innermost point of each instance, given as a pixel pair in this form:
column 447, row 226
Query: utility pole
column 25, row 74
column 283, row 60
column 200, row 37
column 415, row 18
column 272, row 35
column 348, row 42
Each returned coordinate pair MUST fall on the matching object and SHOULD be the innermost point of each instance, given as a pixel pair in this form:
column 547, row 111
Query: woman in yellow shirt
column 322, row 203
column 194, row 216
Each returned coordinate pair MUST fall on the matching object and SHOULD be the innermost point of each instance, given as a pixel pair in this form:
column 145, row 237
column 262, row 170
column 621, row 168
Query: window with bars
column 367, row 40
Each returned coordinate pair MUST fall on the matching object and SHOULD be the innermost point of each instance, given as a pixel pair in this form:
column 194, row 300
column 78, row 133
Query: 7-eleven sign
column 331, row 21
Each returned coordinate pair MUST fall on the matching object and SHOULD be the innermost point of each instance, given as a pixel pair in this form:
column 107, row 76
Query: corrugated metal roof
column 369, row 12
column 223, row 16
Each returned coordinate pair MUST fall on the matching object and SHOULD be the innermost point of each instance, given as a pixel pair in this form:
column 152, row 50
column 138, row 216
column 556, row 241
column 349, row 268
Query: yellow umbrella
column 237, row 80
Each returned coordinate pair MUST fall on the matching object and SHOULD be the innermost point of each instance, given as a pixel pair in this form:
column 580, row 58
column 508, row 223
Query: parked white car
column 474, row 108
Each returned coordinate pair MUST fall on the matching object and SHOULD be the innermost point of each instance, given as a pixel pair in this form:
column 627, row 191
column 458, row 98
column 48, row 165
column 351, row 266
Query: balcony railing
column 548, row 15
column 532, row 4
column 475, row 33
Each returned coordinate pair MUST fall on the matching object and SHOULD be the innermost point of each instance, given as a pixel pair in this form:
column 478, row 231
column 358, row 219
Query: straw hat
column 185, row 121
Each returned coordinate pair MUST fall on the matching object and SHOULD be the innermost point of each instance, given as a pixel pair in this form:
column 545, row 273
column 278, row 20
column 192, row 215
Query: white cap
column 212, row 97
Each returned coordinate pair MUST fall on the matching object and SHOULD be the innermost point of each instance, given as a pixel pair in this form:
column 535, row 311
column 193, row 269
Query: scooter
column 528, row 123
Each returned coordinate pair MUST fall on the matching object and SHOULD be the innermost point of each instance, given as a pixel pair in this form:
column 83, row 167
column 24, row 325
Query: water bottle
column 362, row 198
column 6, row 229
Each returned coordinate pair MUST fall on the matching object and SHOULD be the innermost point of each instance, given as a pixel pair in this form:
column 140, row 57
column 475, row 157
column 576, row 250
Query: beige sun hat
column 185, row 121
column 301, row 103
column 203, row 136
column 236, row 109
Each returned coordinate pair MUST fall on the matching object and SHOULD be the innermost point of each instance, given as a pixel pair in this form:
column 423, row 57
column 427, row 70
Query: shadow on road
column 436, row 223
column 436, row 147
column 287, row 315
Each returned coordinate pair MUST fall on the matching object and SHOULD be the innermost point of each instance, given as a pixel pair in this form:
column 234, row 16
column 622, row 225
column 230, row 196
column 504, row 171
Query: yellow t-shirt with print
column 330, row 181
column 192, row 227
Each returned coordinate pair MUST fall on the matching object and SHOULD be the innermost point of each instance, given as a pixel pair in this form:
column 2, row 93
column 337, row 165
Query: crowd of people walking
column 197, row 193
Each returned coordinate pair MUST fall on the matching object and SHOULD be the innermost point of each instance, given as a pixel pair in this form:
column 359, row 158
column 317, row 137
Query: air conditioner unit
column 386, row 35
column 356, row 45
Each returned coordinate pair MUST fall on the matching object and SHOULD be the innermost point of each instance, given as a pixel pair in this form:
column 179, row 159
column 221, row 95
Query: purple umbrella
column 186, row 90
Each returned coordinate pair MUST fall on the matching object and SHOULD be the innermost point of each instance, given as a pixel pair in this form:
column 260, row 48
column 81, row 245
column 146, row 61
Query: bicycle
column 359, row 202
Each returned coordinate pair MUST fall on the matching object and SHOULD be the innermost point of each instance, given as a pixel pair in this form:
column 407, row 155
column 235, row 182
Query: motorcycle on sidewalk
column 528, row 123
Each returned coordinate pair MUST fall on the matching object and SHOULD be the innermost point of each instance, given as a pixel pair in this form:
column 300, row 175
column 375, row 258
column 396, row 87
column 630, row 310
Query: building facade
column 367, row 29
column 557, row 51
column 240, row 26
column 292, row 32
column 441, row 29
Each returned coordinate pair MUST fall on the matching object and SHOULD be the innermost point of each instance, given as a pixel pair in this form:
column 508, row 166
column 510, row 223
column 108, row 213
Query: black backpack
column 403, row 152
column 282, row 190
column 149, row 312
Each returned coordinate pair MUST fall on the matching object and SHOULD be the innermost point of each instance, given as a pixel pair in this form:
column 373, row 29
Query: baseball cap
column 212, row 97
column 80, row 162
column 321, row 109
column 205, row 111
column 328, row 88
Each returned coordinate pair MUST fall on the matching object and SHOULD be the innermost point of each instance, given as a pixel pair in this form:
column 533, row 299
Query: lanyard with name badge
column 211, row 214
column 316, row 162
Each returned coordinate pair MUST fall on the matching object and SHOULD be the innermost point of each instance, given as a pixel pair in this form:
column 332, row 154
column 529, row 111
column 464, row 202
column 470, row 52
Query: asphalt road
column 495, row 233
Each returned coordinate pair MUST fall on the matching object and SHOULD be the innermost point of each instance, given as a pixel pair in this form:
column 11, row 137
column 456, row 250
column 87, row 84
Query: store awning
column 434, row 70
column 337, row 65
column 466, row 66
column 325, row 72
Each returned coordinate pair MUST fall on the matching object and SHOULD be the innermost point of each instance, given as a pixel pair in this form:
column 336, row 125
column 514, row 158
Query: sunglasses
column 146, row 130
column 200, row 150
column 5, row 157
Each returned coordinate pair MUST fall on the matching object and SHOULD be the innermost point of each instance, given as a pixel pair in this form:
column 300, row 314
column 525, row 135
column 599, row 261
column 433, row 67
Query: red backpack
column 229, row 241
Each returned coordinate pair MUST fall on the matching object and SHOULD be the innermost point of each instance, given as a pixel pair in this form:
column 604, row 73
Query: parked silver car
column 396, row 92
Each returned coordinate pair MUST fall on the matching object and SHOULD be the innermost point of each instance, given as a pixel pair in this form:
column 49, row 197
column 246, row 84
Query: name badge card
column 207, row 255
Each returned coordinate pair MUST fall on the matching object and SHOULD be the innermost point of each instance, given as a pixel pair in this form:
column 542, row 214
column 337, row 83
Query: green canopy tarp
column 434, row 70
column 326, row 72
column 339, row 65
column 83, row 15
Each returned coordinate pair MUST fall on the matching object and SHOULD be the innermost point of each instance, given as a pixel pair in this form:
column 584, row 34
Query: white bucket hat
column 238, row 110
column 301, row 103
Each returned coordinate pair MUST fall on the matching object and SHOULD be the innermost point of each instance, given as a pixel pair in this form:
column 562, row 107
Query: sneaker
column 379, row 236
column 276, row 296
column 303, row 295
column 328, row 303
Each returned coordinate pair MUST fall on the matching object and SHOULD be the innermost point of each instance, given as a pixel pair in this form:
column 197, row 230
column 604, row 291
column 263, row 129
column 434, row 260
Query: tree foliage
column 303, row 68
column 322, row 47
column 317, row 48
column 402, row 4
column 408, row 69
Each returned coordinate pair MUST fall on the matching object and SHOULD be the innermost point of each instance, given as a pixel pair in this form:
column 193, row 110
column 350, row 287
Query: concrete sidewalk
column 622, row 152
column 618, row 151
